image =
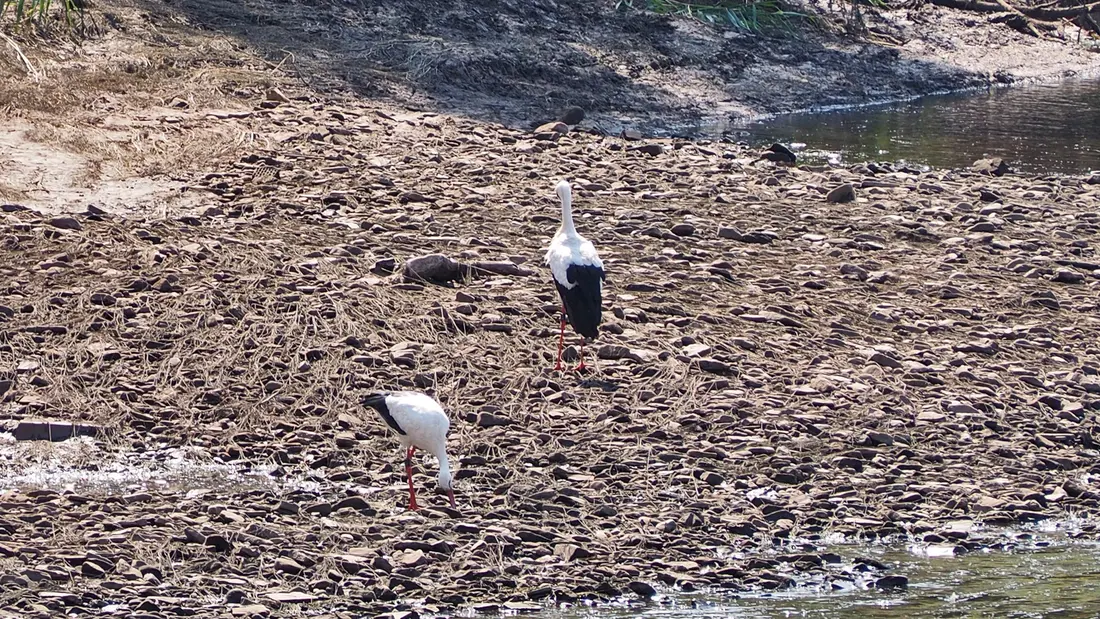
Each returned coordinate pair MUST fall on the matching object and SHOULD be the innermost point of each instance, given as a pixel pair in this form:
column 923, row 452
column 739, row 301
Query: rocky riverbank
column 917, row 360
column 201, row 270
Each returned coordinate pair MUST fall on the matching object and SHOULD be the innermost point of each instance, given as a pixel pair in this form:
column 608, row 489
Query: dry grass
column 163, row 70
column 12, row 193
column 127, row 106
column 138, row 151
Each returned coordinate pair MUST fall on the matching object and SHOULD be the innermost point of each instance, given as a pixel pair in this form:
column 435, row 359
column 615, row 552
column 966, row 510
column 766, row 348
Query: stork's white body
column 422, row 419
column 421, row 423
column 578, row 275
column 568, row 247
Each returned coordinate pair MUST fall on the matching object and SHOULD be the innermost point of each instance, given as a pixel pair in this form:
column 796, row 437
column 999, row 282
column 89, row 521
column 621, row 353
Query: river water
column 1050, row 577
column 1043, row 128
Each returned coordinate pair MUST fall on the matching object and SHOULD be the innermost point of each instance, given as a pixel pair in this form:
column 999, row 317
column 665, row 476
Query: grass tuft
column 42, row 15
column 755, row 16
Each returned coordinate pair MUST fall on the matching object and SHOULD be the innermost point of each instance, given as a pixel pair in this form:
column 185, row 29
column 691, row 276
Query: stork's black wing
column 377, row 401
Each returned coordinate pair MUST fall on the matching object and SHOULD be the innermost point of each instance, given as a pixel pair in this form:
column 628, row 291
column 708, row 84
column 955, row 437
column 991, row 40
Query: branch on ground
column 1026, row 19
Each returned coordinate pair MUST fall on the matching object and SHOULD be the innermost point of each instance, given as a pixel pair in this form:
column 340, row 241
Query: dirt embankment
column 521, row 62
column 919, row 361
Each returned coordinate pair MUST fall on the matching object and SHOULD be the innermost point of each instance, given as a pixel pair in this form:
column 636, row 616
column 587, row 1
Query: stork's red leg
column 409, row 474
column 561, row 340
column 581, row 367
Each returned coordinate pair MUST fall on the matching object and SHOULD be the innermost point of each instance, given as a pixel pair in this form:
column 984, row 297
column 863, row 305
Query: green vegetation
column 754, row 16
column 41, row 14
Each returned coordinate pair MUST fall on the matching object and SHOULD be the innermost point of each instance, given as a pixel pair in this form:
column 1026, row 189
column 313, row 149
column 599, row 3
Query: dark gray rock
column 433, row 268
column 994, row 166
column 572, row 115
column 892, row 583
column 51, row 430
column 684, row 229
column 841, row 194
column 65, row 223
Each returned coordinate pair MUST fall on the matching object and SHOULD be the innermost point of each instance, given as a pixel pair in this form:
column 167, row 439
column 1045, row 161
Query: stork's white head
column 565, row 193
column 446, row 480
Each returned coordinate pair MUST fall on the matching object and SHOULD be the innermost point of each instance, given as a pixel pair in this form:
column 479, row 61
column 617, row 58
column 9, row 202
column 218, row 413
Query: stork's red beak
column 451, row 495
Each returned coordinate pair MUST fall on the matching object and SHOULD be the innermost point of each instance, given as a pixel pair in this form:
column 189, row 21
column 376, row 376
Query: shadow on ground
column 522, row 62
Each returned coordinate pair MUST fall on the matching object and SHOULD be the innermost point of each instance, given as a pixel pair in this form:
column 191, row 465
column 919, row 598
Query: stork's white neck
column 566, row 195
column 445, row 481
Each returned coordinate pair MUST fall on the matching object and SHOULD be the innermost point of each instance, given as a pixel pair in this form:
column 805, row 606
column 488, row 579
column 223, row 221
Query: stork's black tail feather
column 584, row 301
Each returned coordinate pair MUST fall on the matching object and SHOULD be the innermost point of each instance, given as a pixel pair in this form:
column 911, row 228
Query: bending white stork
column 419, row 421
column 578, row 274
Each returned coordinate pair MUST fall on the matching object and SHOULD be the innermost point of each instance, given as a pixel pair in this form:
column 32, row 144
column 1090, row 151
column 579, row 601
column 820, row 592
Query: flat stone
column 288, row 565
column 413, row 196
column 652, row 148
column 714, row 366
column 26, row 367
column 553, row 127
column 52, row 430
column 729, row 232
column 291, row 597
column 612, row 352
column 880, row 438
column 892, row 583
column 489, row 420
column 1068, row 276
column 410, row 558
column 65, row 223
column 522, row 607
column 697, row 350
column 569, row 552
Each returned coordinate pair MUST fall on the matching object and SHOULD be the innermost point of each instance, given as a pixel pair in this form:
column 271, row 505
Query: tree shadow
column 522, row 62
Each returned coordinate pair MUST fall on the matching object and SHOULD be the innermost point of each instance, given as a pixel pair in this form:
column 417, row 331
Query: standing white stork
column 578, row 274
column 419, row 422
